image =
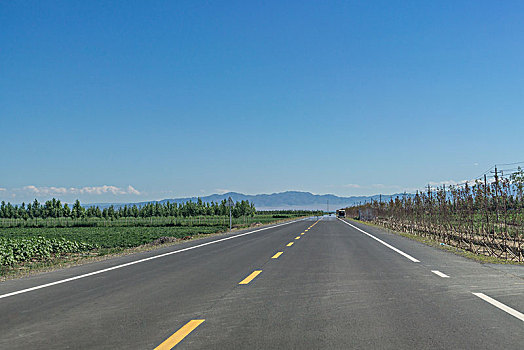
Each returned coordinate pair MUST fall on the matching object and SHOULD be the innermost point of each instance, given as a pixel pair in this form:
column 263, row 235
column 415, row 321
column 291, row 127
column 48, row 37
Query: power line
column 509, row 170
column 487, row 171
column 510, row 163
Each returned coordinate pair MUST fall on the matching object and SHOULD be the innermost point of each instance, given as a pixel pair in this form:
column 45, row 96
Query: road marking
column 438, row 273
column 277, row 255
column 297, row 237
column 138, row 261
column 302, row 233
column 251, row 277
column 384, row 243
column 501, row 306
column 177, row 337
column 289, row 244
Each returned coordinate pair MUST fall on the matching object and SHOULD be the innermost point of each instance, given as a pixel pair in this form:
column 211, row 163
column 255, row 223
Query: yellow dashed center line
column 183, row 332
column 177, row 337
column 250, row 277
column 277, row 255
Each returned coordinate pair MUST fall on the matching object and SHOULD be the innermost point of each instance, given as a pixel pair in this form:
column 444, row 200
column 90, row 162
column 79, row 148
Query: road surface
column 339, row 285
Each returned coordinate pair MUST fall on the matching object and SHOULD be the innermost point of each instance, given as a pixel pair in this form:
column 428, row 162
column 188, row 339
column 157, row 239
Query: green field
column 201, row 220
column 32, row 242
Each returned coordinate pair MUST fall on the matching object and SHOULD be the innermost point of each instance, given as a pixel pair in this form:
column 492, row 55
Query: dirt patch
column 164, row 240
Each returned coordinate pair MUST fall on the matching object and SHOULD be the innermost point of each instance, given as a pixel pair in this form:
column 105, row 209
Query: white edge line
column 438, row 273
column 501, row 306
column 384, row 243
column 138, row 261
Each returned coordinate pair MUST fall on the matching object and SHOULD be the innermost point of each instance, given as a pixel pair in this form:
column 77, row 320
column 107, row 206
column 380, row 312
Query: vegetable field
column 200, row 220
column 25, row 241
column 20, row 249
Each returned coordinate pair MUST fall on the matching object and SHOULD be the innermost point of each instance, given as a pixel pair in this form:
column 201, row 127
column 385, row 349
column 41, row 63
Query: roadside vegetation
column 485, row 216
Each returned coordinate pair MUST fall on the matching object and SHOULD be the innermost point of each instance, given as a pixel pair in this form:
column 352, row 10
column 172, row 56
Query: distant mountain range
column 276, row 201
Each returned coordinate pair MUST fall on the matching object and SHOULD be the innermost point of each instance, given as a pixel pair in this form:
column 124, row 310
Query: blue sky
column 141, row 100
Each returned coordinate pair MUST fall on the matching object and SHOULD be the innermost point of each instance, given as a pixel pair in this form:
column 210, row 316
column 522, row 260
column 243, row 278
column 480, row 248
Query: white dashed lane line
column 384, row 243
column 438, row 273
column 482, row 296
column 501, row 306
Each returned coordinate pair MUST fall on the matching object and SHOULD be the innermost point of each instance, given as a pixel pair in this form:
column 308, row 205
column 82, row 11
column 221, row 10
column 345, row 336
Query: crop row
column 39, row 244
column 109, row 237
column 20, row 249
column 209, row 220
column 22, row 244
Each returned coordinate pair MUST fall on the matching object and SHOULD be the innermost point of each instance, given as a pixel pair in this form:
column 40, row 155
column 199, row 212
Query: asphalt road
column 335, row 287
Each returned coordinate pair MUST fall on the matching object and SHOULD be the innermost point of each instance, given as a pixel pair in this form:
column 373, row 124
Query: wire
column 510, row 163
column 487, row 171
column 506, row 172
column 509, row 170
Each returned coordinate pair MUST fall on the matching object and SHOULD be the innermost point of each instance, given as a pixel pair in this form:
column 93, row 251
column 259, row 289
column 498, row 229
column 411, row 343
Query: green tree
column 66, row 212
column 77, row 211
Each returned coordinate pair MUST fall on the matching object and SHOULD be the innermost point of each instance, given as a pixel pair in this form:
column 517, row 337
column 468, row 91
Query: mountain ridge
column 287, row 200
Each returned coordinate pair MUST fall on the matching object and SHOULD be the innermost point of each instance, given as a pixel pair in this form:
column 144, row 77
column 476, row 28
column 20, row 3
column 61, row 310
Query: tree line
column 502, row 197
column 55, row 209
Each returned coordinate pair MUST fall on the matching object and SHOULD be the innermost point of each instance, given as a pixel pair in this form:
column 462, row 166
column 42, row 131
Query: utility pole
column 497, row 193
column 230, row 204
column 486, row 200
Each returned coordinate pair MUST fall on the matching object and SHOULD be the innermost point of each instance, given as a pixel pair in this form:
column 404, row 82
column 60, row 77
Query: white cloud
column 91, row 190
column 448, row 182
column 132, row 190
column 31, row 188
column 2, row 189
column 222, row 190
column 373, row 189
column 382, row 186
column 372, row 186
column 352, row 186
